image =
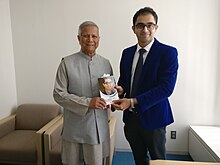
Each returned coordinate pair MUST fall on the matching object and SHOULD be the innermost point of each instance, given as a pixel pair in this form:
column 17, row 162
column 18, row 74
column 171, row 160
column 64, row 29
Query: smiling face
column 89, row 39
column 145, row 34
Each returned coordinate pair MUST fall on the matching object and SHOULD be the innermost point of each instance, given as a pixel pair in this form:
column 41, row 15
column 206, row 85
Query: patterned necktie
column 137, row 73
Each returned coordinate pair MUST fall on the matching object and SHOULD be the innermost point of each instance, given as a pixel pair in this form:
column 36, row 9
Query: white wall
column 45, row 30
column 8, row 96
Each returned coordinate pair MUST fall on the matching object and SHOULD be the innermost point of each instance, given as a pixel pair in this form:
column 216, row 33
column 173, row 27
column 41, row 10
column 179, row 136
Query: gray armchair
column 52, row 142
column 21, row 134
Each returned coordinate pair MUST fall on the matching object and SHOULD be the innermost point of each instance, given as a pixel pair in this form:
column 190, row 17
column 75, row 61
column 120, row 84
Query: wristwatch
column 132, row 103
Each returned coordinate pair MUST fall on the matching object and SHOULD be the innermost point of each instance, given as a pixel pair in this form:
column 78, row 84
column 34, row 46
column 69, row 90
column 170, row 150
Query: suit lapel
column 129, row 60
column 150, row 57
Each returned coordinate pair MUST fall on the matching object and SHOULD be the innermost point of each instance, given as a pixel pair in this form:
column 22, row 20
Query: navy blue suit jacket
column 156, row 84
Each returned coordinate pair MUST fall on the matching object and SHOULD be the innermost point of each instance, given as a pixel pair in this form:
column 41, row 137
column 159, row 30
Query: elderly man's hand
column 97, row 103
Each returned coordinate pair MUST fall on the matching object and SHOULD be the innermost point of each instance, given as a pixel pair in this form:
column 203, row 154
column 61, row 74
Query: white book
column 107, row 88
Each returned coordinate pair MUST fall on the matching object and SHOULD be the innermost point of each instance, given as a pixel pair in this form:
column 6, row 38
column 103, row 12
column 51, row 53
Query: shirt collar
column 147, row 48
column 87, row 56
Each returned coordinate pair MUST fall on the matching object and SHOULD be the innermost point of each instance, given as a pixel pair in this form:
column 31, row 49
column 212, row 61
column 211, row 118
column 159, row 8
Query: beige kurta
column 76, row 83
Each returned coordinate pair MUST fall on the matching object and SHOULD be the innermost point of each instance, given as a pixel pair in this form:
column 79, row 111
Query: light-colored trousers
column 83, row 154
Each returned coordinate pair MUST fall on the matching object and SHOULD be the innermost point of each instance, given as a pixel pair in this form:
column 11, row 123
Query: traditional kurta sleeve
column 76, row 104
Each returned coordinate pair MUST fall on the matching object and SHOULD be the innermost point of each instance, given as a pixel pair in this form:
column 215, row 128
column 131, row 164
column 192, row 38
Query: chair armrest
column 112, row 127
column 7, row 125
column 49, row 124
column 39, row 138
column 52, row 136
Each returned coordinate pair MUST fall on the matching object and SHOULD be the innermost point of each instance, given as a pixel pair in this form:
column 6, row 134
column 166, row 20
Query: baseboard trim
column 177, row 153
column 123, row 149
column 168, row 152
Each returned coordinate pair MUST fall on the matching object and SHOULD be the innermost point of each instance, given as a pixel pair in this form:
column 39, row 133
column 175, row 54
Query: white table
column 204, row 143
column 170, row 162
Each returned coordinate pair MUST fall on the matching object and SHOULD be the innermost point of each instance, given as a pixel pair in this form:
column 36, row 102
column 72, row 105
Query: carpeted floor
column 126, row 158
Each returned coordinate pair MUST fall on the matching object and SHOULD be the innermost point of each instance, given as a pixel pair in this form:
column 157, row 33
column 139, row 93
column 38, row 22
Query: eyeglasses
column 107, row 82
column 141, row 26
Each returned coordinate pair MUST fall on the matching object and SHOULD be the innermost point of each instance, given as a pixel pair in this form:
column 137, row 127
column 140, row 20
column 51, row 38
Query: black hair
column 144, row 11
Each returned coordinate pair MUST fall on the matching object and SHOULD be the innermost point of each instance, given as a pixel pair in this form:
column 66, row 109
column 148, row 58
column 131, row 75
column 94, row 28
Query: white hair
column 86, row 23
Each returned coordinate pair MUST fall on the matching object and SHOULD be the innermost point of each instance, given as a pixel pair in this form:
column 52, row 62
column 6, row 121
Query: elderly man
column 85, row 131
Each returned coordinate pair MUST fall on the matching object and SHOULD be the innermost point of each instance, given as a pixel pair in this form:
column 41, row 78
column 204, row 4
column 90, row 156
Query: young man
column 148, row 72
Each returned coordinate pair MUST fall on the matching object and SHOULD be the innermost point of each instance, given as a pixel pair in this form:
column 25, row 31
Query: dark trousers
column 143, row 142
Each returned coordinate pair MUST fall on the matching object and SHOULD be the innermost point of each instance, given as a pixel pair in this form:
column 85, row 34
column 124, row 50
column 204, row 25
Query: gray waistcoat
column 82, row 73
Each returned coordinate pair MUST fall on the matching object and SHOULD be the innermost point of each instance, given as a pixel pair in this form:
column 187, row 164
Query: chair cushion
column 35, row 116
column 18, row 146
